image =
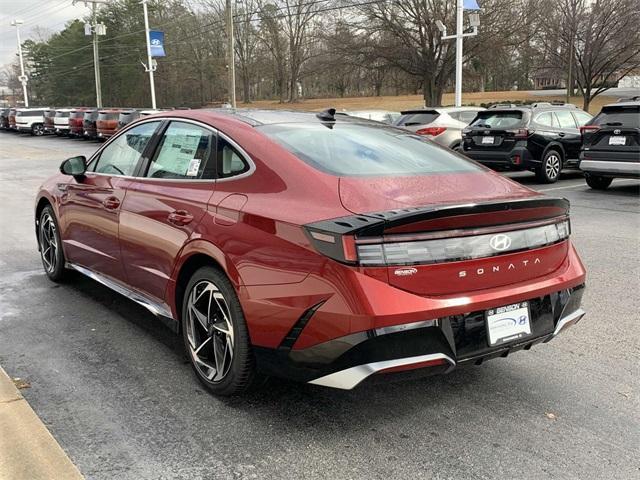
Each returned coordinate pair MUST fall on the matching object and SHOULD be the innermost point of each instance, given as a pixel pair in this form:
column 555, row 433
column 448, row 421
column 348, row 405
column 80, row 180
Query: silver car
column 384, row 116
column 443, row 125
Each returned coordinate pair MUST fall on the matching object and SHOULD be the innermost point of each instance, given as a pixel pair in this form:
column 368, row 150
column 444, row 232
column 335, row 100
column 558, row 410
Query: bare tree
column 603, row 38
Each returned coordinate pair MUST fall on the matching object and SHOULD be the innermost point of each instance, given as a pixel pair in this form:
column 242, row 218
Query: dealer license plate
column 508, row 323
column 617, row 140
column 486, row 140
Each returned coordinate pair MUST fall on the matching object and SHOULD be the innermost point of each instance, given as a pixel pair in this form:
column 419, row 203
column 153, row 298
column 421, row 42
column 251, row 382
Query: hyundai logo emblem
column 617, row 132
column 500, row 242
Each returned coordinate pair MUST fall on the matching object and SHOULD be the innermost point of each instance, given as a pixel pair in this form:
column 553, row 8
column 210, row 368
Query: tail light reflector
column 431, row 131
column 589, row 129
column 520, row 132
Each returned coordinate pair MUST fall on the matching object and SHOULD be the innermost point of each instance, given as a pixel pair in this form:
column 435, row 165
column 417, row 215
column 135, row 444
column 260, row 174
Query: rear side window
column 121, row 155
column 467, row 117
column 628, row 117
column 565, row 119
column 409, row 119
column 504, row 119
column 546, row 119
column 365, row 150
column 185, row 152
column 582, row 117
column 62, row 114
column 230, row 162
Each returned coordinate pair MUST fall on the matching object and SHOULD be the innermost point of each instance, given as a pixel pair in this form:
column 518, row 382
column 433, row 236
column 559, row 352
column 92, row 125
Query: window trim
column 575, row 123
column 96, row 155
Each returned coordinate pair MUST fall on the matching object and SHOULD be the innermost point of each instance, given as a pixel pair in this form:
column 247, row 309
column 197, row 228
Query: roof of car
column 256, row 117
column 31, row 109
column 623, row 104
column 442, row 110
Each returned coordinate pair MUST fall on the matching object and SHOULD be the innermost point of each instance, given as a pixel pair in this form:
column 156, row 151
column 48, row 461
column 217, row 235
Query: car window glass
column 365, row 150
column 628, row 117
column 121, row 155
column 184, row 153
column 455, row 115
column 546, row 119
column 565, row 119
column 467, row 117
column 417, row 118
column 504, row 119
column 582, row 118
column 230, row 162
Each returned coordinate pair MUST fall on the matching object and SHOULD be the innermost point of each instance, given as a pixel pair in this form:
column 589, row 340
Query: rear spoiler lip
column 374, row 223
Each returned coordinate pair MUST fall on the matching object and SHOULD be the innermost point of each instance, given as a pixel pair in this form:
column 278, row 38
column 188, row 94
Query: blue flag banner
column 156, row 40
column 470, row 5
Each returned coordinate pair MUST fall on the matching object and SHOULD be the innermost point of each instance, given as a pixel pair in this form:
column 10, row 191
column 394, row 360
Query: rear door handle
column 180, row 217
column 111, row 203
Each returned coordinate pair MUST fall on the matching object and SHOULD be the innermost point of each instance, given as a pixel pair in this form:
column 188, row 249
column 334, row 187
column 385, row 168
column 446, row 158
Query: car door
column 568, row 133
column 165, row 203
column 91, row 206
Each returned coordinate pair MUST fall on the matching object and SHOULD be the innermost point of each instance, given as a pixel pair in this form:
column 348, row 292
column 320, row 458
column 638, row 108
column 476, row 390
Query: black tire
column 550, row 168
column 53, row 263
column 597, row 182
column 37, row 129
column 239, row 374
column 458, row 148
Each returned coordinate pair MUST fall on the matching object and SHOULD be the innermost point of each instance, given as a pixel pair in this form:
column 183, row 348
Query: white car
column 61, row 121
column 30, row 120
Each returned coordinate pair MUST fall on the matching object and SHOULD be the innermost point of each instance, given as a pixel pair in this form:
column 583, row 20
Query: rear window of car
column 346, row 149
column 50, row 113
column 108, row 116
column 628, row 117
column 76, row 114
column 90, row 115
column 62, row 114
column 505, row 119
column 418, row 118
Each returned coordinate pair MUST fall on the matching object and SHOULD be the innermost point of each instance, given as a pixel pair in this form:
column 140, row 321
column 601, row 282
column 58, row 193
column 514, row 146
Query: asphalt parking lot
column 114, row 387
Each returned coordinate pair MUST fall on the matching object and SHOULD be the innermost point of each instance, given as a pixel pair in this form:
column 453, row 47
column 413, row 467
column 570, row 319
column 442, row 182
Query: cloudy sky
column 45, row 16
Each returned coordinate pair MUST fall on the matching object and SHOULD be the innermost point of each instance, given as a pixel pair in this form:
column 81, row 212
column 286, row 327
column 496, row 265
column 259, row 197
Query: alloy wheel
column 552, row 166
column 209, row 331
column 38, row 130
column 48, row 243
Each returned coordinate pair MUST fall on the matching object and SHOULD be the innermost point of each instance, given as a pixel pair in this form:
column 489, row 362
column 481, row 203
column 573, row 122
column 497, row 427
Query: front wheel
column 215, row 334
column 50, row 245
column 597, row 182
column 549, row 169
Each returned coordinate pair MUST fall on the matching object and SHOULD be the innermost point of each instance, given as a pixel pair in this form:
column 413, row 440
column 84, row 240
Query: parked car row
column 79, row 122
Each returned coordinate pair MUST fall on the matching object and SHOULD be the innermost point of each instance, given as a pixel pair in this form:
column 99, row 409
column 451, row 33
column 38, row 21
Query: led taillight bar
column 449, row 249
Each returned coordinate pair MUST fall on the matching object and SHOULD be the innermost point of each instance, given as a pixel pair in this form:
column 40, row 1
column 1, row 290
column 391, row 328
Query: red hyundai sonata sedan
column 318, row 247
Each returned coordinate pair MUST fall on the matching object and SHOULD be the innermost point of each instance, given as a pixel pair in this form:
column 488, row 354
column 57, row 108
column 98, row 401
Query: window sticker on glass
column 194, row 166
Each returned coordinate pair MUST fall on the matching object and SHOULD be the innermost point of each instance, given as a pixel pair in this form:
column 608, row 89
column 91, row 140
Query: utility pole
column 96, row 57
column 231, row 55
column 150, row 66
column 23, row 78
column 474, row 22
column 95, row 29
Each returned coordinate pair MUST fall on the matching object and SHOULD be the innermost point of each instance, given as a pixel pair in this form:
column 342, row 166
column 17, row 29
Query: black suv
column 611, row 144
column 542, row 137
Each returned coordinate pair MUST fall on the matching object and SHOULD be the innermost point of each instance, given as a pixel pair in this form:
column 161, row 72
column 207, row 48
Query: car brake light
column 520, row 132
column 431, row 131
column 589, row 129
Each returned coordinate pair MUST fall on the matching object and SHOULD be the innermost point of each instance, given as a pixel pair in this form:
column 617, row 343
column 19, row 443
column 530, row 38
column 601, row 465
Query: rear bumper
column 611, row 168
column 423, row 348
column 516, row 159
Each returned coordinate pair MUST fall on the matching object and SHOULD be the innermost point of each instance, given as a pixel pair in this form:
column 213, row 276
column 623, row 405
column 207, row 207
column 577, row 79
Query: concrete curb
column 27, row 450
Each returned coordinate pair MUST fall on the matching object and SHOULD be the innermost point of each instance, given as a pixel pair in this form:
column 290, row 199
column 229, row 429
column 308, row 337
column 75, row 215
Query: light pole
column 95, row 29
column 23, row 78
column 474, row 22
column 232, row 55
column 150, row 67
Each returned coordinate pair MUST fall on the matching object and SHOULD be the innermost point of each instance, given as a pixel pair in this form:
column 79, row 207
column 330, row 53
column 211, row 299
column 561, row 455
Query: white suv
column 61, row 121
column 30, row 120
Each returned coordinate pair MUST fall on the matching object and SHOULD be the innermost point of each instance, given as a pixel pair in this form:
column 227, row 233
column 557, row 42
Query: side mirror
column 75, row 166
